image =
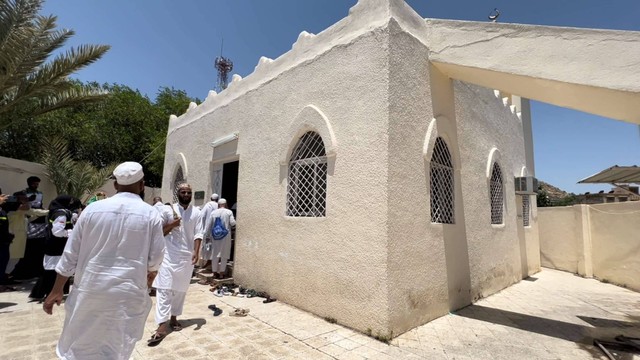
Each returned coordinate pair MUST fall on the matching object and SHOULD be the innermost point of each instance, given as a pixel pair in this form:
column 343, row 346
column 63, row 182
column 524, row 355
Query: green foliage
column 71, row 177
column 127, row 126
column 543, row 198
column 568, row 200
column 31, row 83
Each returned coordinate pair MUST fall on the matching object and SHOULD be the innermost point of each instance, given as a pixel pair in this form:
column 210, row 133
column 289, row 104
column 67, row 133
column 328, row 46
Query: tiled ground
column 554, row 317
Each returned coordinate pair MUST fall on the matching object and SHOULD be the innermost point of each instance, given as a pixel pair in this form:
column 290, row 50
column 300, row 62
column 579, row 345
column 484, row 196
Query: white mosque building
column 380, row 179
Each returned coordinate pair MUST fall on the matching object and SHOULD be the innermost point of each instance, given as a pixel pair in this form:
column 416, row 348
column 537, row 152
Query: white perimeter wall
column 600, row 240
column 14, row 174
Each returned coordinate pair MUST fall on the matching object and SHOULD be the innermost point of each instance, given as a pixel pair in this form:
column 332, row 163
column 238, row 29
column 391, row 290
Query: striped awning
column 614, row 175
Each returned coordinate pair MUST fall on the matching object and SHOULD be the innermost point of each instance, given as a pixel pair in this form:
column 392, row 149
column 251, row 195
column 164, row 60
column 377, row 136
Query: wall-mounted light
column 224, row 140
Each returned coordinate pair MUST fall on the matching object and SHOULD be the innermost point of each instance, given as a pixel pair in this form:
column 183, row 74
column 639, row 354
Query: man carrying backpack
column 219, row 226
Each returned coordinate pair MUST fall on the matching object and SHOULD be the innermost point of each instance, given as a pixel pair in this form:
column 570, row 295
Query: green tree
column 126, row 126
column 169, row 101
column 76, row 178
column 543, row 198
column 29, row 83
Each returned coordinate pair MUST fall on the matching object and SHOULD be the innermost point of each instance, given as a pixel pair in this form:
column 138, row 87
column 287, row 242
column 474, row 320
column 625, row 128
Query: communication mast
column 224, row 67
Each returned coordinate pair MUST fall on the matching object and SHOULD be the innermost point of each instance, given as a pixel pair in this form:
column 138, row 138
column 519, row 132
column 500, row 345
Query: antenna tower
column 224, row 67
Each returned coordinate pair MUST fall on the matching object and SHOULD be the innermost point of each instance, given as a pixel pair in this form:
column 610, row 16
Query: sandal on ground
column 239, row 312
column 176, row 326
column 216, row 310
column 156, row 338
column 203, row 282
column 269, row 300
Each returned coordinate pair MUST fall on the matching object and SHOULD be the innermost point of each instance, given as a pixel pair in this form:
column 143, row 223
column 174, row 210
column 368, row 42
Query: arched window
column 177, row 180
column 442, row 192
column 497, row 195
column 307, row 177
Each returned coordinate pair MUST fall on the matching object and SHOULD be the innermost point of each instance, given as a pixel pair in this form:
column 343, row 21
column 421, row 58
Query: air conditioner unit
column 526, row 185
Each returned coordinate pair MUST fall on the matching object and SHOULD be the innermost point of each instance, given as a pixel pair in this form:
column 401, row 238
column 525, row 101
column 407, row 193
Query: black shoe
column 216, row 310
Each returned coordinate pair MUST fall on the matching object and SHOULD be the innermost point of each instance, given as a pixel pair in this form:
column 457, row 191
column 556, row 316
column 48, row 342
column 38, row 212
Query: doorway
column 229, row 189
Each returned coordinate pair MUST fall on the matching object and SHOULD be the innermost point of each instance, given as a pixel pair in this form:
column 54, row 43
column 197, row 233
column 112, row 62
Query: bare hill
column 553, row 192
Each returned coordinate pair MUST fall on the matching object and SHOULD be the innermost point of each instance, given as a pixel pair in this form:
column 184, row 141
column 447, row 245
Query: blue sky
column 173, row 43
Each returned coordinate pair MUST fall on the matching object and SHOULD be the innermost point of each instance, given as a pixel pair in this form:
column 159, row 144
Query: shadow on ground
column 583, row 335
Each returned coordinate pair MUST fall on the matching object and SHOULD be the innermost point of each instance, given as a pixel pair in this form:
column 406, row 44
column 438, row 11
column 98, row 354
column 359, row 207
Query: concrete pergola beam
column 595, row 71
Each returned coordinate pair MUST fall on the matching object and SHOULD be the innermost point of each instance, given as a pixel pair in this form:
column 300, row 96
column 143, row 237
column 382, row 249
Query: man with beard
column 181, row 254
column 113, row 246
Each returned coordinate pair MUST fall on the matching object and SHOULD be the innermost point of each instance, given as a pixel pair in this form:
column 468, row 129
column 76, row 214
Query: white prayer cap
column 214, row 197
column 222, row 201
column 128, row 173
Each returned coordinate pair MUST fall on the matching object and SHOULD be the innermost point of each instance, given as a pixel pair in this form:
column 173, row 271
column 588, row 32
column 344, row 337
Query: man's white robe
column 176, row 269
column 206, row 211
column 221, row 248
column 114, row 244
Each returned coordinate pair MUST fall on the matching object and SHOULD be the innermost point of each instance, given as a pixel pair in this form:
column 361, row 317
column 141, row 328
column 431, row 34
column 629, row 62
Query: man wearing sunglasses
column 181, row 254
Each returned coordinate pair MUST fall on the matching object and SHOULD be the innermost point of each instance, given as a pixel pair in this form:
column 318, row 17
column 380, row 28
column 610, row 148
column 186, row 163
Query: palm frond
column 27, row 41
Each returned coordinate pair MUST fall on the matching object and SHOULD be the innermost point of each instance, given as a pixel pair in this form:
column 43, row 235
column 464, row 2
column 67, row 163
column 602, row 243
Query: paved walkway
column 554, row 315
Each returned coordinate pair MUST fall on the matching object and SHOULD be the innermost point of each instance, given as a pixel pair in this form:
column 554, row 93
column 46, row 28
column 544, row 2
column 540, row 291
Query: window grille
column 497, row 195
column 441, row 183
column 307, row 178
column 526, row 208
column 177, row 180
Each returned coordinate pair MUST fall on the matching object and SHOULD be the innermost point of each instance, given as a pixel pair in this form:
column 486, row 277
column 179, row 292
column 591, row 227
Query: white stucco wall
column 489, row 131
column 532, row 239
column 14, row 174
column 333, row 266
column 615, row 237
column 561, row 243
column 375, row 262
column 416, row 261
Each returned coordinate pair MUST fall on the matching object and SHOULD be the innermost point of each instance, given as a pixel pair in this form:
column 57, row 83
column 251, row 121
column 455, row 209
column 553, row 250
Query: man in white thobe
column 167, row 225
column 221, row 248
column 113, row 246
column 174, row 276
column 206, row 249
column 157, row 203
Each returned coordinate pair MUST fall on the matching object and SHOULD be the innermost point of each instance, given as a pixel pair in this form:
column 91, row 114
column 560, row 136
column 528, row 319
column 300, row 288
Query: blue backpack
column 218, row 231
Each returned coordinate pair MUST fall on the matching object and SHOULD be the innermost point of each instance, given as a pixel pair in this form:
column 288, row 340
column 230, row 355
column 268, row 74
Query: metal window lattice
column 526, row 208
column 307, row 178
column 441, row 183
column 177, row 180
column 497, row 195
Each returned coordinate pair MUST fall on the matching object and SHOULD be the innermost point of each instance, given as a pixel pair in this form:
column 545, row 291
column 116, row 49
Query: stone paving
column 553, row 315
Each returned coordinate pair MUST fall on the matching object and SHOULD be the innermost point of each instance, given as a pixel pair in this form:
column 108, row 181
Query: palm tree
column 76, row 178
column 27, row 79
